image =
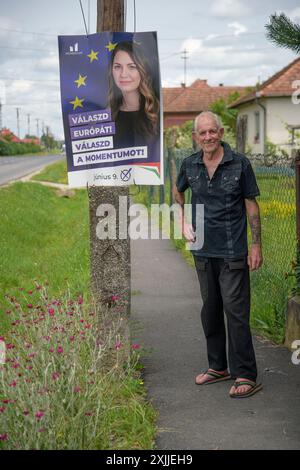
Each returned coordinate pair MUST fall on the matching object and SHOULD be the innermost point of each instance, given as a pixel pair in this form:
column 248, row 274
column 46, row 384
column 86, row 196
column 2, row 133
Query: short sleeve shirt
column 223, row 197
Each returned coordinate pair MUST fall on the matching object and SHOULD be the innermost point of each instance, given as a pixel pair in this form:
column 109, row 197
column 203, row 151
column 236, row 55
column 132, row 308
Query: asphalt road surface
column 13, row 168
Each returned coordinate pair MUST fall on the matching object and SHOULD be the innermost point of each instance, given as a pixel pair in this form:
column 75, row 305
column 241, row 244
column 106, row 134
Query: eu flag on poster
column 111, row 107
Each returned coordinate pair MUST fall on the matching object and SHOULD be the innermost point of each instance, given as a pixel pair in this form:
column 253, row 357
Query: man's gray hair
column 211, row 115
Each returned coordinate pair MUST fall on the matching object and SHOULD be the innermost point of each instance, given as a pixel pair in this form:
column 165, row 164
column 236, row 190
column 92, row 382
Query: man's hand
column 255, row 259
column 188, row 232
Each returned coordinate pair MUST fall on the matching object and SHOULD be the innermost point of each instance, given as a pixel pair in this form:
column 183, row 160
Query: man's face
column 208, row 135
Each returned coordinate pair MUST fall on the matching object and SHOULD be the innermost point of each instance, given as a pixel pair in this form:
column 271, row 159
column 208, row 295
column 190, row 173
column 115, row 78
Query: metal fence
column 271, row 285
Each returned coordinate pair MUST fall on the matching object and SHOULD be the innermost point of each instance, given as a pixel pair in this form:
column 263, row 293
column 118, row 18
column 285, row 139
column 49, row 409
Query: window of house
column 256, row 127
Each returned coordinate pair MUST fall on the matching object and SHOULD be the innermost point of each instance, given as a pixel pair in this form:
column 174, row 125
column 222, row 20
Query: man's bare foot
column 214, row 376
column 242, row 388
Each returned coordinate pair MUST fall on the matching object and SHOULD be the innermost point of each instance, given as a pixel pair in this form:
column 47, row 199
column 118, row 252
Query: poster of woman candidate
column 111, row 106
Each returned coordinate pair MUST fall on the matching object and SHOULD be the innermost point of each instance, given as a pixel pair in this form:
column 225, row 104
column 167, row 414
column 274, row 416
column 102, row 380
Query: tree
column 283, row 32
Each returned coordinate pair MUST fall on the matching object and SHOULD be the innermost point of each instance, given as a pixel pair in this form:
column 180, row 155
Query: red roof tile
column 195, row 98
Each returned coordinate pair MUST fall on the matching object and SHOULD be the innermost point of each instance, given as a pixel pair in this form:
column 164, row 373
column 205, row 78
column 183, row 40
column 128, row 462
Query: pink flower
column 30, row 292
column 51, row 312
column 118, row 345
column 29, row 368
column 3, row 437
column 5, row 401
column 135, row 346
column 80, row 300
column 88, row 413
column 29, row 306
column 72, row 338
column 10, row 346
column 88, row 326
column 39, row 414
column 47, row 338
column 55, row 376
column 77, row 389
column 60, row 350
column 13, row 384
column 51, row 350
column 42, row 430
column 2, row 409
column 31, row 355
column 16, row 365
column 8, row 312
column 26, row 413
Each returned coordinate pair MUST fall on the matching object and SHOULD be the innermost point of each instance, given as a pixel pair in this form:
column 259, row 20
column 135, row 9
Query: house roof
column 280, row 84
column 196, row 97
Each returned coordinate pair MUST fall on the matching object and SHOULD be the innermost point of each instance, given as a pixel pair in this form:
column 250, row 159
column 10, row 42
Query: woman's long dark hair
column 147, row 122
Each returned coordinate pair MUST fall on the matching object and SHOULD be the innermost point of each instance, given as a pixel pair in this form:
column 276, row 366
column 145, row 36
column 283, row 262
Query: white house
column 273, row 111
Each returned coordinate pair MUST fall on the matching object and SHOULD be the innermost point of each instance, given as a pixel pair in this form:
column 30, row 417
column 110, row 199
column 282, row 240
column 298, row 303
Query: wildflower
column 51, row 350
column 47, row 338
column 29, row 368
column 42, row 430
column 60, row 350
column 6, row 401
column 55, row 376
column 88, row 326
column 88, row 413
column 72, row 338
column 39, row 414
column 114, row 298
column 80, row 300
column 2, row 409
column 16, row 365
column 13, row 384
column 8, row 312
column 135, row 346
column 30, row 292
column 3, row 437
column 118, row 345
column 25, row 412
column 10, row 346
column 29, row 306
column 51, row 312
column 31, row 355
column 77, row 389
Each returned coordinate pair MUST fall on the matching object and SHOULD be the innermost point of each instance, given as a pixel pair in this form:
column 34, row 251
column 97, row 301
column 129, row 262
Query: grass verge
column 45, row 243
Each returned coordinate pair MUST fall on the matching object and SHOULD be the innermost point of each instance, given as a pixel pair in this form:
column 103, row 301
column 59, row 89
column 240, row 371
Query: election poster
column 112, row 108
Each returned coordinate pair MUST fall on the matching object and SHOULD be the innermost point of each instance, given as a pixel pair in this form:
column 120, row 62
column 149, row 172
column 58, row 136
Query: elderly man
column 224, row 182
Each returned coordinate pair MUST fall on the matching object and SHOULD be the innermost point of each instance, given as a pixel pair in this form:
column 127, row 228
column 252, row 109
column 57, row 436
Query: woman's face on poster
column 125, row 72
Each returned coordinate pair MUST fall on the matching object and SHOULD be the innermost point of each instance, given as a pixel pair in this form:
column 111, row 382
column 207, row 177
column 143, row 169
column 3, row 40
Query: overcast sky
column 225, row 40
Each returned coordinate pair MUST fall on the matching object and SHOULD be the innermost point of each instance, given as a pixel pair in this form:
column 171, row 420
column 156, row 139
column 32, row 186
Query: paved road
column 166, row 321
column 12, row 168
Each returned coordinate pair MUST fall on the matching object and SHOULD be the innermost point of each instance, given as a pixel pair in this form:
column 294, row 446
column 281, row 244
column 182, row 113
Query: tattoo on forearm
column 254, row 221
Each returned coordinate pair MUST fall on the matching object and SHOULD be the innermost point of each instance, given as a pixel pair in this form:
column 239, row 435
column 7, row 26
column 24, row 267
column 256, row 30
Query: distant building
column 183, row 104
column 270, row 112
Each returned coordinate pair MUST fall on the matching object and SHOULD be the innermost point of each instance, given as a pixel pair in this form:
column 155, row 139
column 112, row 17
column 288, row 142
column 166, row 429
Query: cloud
column 295, row 14
column 238, row 28
column 229, row 8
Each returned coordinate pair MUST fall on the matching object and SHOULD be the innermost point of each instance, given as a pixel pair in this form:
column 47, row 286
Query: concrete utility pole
column 110, row 259
column 28, row 124
column 37, row 128
column 18, row 121
column 185, row 58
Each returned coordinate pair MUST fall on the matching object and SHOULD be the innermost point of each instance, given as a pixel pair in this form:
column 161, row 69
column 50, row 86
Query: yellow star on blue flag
column 77, row 103
column 111, row 46
column 93, row 55
column 81, row 80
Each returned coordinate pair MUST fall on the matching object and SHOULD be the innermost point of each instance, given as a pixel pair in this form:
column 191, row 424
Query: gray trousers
column 225, row 287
